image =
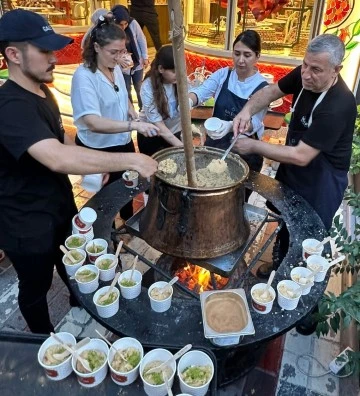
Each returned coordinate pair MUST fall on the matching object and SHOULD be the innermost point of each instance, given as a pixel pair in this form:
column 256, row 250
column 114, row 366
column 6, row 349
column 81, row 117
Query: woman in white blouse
column 160, row 103
column 102, row 113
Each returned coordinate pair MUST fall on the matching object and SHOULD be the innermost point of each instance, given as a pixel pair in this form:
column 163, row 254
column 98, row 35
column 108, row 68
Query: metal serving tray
column 212, row 334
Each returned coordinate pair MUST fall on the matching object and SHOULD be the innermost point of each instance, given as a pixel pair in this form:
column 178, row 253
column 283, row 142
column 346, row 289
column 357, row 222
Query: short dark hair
column 103, row 33
column 251, row 39
column 4, row 44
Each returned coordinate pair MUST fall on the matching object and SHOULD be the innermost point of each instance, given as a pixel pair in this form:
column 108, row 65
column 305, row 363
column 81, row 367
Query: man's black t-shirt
column 32, row 197
column 333, row 119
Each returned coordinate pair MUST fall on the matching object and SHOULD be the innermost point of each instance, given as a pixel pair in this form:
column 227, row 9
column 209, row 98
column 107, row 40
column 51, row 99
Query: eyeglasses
column 114, row 52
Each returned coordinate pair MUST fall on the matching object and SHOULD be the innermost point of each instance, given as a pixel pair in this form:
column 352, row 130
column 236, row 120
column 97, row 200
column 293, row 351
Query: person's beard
column 36, row 77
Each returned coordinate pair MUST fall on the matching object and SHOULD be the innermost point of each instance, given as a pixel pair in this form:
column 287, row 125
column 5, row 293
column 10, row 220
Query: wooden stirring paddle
column 67, row 253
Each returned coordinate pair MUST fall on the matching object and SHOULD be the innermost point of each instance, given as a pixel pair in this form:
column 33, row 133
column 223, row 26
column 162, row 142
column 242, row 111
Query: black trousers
column 151, row 21
column 34, row 259
column 126, row 211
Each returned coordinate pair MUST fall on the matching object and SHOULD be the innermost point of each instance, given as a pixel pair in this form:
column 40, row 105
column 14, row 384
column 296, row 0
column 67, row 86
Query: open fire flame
column 198, row 279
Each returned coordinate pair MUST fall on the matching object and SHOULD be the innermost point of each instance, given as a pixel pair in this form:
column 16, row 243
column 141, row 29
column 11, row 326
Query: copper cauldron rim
column 166, row 153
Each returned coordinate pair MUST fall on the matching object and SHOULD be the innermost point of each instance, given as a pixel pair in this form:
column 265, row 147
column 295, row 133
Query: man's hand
column 145, row 165
column 146, row 129
column 242, row 122
column 244, row 145
column 225, row 128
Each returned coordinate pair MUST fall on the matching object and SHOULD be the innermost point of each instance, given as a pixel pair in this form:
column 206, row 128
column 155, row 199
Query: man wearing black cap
column 145, row 14
column 36, row 200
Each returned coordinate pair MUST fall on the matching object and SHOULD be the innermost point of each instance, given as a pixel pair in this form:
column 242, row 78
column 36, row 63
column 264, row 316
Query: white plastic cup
column 262, row 307
column 106, row 311
column 130, row 292
column 312, row 262
column 89, row 380
column 93, row 182
column 85, row 218
column 124, row 378
column 80, row 242
column 194, row 358
column 89, row 234
column 62, row 370
column 106, row 274
column 302, row 272
column 88, row 287
column 96, row 242
column 160, row 355
column 286, row 302
column 308, row 248
column 131, row 178
column 212, row 124
column 72, row 268
column 160, row 305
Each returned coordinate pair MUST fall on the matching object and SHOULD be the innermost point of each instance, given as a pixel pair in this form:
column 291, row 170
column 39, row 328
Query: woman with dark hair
column 136, row 45
column 231, row 88
column 160, row 103
column 102, row 112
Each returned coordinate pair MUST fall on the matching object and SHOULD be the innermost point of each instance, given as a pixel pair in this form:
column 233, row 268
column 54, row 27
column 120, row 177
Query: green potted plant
column 340, row 311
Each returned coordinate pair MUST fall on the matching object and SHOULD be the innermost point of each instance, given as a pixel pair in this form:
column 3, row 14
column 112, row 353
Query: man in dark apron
column 316, row 158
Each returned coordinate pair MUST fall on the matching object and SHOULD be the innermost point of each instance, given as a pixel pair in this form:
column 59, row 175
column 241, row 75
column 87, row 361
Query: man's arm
column 260, row 100
column 300, row 155
column 77, row 160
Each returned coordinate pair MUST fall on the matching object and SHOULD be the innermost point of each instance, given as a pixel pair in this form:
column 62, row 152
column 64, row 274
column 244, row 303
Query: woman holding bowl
column 231, row 88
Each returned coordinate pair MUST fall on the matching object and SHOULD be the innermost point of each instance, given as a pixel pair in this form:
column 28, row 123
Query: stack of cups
column 83, row 221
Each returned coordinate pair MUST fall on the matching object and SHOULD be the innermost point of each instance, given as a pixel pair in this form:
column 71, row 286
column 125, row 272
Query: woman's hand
column 132, row 113
column 145, row 128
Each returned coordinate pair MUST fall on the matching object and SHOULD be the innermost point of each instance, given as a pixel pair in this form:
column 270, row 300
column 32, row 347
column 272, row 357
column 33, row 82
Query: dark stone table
column 182, row 324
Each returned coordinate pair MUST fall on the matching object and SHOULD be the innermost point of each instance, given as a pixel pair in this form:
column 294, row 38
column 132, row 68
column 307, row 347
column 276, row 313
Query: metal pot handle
column 184, row 213
column 173, row 212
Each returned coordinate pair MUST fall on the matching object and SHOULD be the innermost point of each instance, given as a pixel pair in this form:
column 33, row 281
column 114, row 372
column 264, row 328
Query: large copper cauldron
column 196, row 222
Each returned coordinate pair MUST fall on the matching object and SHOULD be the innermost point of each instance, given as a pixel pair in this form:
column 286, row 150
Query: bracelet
column 129, row 126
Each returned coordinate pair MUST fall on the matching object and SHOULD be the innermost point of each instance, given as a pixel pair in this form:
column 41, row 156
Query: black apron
column 320, row 183
column 227, row 106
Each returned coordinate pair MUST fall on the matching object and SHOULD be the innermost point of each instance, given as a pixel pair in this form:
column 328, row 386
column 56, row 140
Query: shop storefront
column 285, row 27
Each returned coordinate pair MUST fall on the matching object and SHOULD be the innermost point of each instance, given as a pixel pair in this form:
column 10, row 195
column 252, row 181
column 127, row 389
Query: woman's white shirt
column 93, row 94
column 150, row 112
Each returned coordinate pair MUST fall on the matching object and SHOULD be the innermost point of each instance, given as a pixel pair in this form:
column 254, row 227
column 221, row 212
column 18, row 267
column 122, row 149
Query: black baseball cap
column 22, row 25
